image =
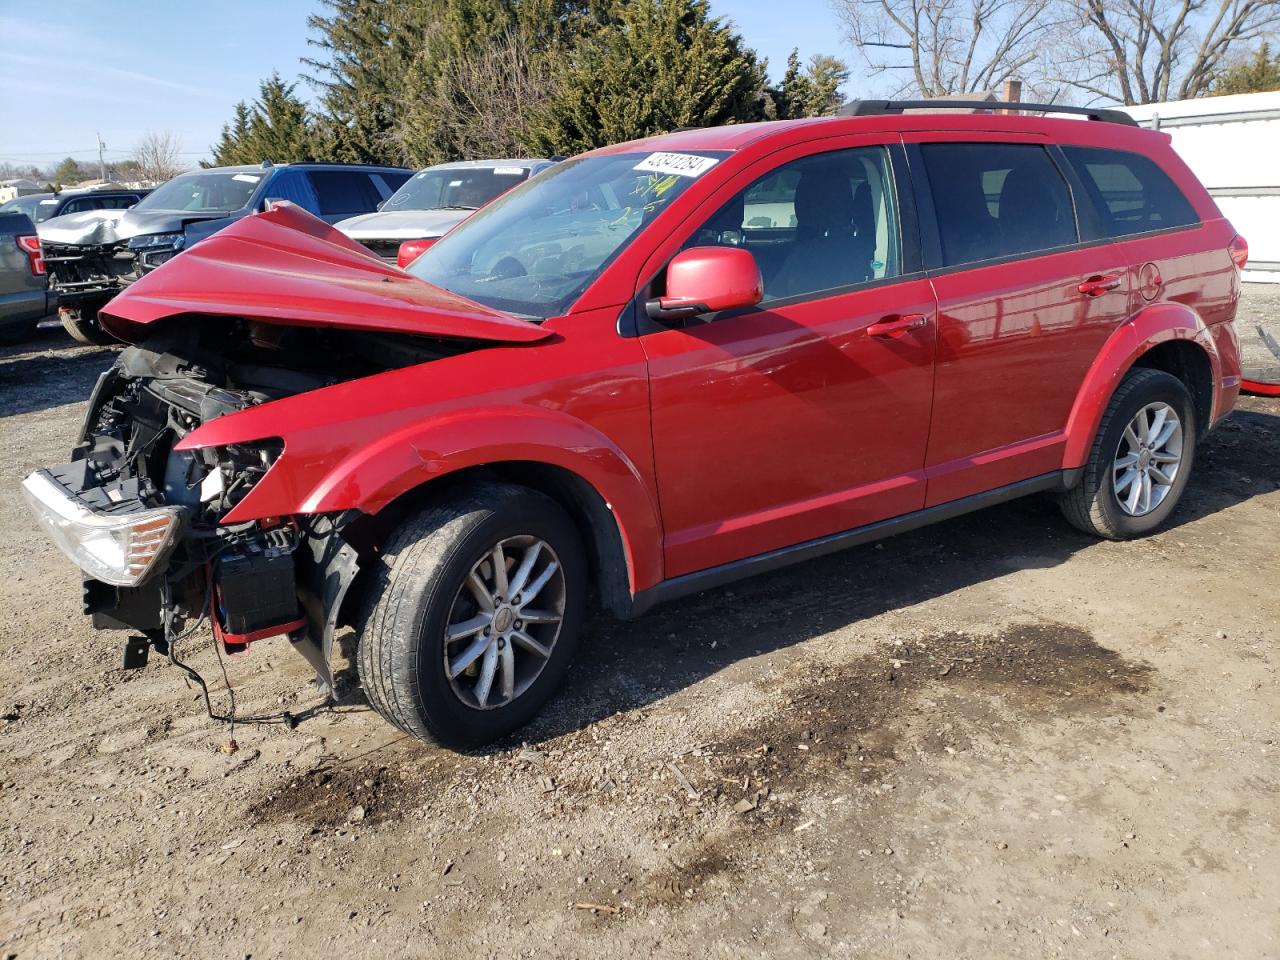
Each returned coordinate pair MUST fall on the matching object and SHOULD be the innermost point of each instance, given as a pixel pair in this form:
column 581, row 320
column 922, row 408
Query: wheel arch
column 1164, row 336
column 610, row 562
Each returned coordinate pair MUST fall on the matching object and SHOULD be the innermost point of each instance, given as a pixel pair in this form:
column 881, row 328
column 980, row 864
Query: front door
column 807, row 415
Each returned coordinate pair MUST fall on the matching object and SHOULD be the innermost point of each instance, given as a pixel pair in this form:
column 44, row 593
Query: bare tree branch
column 157, row 156
column 1145, row 51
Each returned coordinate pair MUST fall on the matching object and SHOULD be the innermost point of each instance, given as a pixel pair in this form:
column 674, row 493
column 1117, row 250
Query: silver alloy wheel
column 504, row 623
column 1147, row 459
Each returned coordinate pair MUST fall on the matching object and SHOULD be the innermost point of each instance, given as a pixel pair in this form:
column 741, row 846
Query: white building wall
column 1233, row 145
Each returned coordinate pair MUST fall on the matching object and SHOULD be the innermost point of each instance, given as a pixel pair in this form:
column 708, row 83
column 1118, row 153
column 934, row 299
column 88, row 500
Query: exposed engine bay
column 284, row 575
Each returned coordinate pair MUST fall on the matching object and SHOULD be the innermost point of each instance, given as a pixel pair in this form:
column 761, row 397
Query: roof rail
column 875, row 108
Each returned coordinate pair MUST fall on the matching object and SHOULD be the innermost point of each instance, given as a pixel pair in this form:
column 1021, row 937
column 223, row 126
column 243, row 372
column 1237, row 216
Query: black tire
column 1093, row 505
column 82, row 326
column 17, row 332
column 421, row 571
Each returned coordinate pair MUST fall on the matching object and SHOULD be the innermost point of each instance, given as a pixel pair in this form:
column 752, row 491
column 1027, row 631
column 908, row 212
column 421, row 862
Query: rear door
column 808, row 414
column 1023, row 306
column 344, row 193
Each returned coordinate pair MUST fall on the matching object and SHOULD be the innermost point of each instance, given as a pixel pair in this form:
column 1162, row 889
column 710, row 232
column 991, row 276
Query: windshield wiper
column 457, row 207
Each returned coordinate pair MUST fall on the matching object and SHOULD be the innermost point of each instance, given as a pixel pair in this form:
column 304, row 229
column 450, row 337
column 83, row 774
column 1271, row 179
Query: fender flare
column 1150, row 327
column 401, row 461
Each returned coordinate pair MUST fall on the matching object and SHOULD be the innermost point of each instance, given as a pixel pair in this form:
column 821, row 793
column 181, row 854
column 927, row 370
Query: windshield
column 38, row 207
column 203, row 191
column 533, row 251
column 456, row 189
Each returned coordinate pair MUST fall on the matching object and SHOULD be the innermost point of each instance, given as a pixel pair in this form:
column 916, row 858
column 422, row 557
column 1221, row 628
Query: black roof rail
column 876, row 108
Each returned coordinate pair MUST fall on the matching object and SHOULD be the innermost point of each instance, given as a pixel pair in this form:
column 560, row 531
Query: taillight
column 1239, row 250
column 35, row 256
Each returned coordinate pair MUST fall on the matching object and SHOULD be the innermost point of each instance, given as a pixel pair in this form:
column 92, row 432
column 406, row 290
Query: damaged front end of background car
column 148, row 510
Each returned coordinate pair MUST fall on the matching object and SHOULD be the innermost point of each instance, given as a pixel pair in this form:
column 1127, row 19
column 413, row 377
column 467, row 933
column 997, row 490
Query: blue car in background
column 93, row 256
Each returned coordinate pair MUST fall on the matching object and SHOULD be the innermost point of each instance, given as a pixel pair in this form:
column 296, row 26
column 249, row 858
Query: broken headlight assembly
column 122, row 544
column 156, row 248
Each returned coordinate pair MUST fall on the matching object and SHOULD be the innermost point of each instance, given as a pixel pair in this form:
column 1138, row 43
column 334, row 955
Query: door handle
column 1096, row 286
column 897, row 325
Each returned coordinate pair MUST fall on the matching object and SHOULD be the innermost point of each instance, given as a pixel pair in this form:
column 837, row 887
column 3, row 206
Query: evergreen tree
column 280, row 130
column 277, row 127
column 813, row 91
column 68, row 172
column 231, row 147
column 1259, row 73
column 367, row 47
column 665, row 64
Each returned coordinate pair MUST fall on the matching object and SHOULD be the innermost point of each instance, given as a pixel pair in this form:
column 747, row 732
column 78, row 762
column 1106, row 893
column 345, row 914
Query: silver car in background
column 434, row 200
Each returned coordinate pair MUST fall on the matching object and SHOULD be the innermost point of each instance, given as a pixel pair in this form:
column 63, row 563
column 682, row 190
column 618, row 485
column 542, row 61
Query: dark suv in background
column 45, row 206
column 93, row 256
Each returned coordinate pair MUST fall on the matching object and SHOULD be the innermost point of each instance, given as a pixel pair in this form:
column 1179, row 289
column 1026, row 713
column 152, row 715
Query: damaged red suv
column 650, row 370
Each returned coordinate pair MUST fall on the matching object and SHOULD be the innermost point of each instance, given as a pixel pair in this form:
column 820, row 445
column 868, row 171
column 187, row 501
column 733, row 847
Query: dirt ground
column 992, row 738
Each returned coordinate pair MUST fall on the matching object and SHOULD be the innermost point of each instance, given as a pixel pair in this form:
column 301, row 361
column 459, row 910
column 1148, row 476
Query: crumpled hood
column 95, row 227
column 402, row 224
column 290, row 268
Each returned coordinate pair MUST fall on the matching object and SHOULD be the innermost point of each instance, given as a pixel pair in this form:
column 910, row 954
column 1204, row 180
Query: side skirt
column 1058, row 480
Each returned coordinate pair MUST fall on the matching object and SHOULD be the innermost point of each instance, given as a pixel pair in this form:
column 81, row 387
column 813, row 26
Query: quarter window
column 1132, row 194
column 996, row 200
column 340, row 192
column 818, row 223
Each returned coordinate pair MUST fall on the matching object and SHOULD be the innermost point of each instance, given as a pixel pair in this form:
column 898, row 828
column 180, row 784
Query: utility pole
column 102, row 165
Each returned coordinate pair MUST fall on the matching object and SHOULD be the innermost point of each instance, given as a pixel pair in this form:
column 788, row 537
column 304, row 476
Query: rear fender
column 1150, row 327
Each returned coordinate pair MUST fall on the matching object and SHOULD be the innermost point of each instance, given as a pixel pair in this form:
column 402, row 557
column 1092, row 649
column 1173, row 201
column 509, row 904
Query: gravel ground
column 995, row 737
column 1259, row 309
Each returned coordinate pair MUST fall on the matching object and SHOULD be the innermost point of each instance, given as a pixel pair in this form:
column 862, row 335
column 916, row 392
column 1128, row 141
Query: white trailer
column 1233, row 145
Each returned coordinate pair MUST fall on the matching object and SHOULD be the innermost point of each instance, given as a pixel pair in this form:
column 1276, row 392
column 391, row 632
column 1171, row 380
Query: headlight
column 172, row 241
column 122, row 549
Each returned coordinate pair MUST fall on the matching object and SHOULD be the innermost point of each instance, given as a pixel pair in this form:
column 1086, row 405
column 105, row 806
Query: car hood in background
column 287, row 267
column 402, row 224
column 111, row 226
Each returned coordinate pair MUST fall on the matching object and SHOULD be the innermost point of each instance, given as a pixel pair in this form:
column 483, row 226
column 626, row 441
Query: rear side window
column 1131, row 193
column 294, row 187
column 996, row 200
column 341, row 192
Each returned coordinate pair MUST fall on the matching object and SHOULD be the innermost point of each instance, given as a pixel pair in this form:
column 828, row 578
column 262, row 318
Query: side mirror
column 707, row 280
column 411, row 250
column 267, row 204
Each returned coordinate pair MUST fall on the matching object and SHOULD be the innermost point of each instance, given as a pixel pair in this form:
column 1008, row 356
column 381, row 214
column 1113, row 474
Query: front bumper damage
column 142, row 522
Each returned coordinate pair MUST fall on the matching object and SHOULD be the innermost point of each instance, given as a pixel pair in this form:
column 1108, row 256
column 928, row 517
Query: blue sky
column 71, row 68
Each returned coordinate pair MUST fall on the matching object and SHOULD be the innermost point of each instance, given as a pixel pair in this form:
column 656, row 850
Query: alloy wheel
column 505, row 620
column 1147, row 459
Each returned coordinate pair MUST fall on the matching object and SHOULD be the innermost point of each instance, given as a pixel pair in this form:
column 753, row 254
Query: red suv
column 650, row 370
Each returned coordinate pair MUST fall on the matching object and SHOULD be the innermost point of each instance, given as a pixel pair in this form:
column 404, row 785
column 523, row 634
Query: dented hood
column 290, row 268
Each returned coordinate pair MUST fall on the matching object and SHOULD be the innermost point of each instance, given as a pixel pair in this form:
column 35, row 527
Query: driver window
column 818, row 223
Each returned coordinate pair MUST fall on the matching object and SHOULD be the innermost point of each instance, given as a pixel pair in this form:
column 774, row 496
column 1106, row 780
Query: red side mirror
column 410, row 250
column 707, row 280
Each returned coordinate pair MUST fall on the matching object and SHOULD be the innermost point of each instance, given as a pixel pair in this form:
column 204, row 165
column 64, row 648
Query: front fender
column 1155, row 324
column 377, row 472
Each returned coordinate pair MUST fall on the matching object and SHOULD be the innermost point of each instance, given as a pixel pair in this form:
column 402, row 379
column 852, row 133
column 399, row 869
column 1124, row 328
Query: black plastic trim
column 877, row 108
column 777, row 559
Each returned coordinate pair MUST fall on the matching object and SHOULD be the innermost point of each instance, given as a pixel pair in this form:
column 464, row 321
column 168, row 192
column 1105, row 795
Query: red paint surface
column 717, row 441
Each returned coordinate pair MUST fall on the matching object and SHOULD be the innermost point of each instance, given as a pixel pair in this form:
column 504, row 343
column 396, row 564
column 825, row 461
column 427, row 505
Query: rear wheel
column 82, row 326
column 1140, row 461
column 473, row 616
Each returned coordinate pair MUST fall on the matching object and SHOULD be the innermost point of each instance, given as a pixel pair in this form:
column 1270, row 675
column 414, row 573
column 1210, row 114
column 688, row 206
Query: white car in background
column 433, row 200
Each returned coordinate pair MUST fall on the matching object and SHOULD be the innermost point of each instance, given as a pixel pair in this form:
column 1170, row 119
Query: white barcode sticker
column 681, row 164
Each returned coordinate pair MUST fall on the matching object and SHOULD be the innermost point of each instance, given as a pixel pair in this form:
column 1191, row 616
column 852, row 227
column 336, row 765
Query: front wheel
column 473, row 615
column 1140, row 460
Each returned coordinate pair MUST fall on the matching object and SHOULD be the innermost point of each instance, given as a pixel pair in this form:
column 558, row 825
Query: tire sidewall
column 1165, row 389
column 450, row 720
